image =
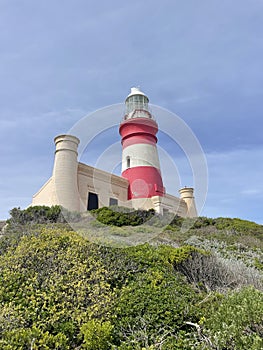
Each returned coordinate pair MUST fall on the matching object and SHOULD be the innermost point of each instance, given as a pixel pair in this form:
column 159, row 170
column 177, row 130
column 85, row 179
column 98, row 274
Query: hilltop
column 190, row 284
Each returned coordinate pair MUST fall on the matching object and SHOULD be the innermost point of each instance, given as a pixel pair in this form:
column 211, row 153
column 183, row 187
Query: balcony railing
column 139, row 113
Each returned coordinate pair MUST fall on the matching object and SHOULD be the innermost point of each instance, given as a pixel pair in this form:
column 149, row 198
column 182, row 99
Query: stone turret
column 65, row 172
column 187, row 194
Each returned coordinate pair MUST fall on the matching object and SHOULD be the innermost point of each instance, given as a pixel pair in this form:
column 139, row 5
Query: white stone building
column 80, row 187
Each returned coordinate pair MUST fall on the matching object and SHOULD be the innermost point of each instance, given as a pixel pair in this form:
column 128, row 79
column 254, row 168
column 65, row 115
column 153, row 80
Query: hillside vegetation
column 196, row 284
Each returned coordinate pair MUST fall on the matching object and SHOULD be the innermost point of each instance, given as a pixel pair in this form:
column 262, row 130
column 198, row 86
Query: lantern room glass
column 136, row 102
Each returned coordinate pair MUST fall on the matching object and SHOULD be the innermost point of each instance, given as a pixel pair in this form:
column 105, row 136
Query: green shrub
column 238, row 225
column 41, row 215
column 109, row 216
column 53, row 282
column 237, row 322
column 152, row 309
column 229, row 225
column 58, row 291
column 97, row 335
column 34, row 338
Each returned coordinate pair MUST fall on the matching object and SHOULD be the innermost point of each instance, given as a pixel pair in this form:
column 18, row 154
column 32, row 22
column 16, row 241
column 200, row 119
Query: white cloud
column 252, row 192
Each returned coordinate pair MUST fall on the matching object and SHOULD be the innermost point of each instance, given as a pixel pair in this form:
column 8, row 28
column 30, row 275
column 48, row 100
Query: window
column 93, row 201
column 128, row 159
column 113, row 201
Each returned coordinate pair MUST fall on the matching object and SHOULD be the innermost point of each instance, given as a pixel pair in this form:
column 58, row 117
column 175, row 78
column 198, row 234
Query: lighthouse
column 140, row 160
column 79, row 187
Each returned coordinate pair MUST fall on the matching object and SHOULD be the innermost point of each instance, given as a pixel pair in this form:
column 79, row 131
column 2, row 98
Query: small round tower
column 140, row 160
column 187, row 194
column 65, row 172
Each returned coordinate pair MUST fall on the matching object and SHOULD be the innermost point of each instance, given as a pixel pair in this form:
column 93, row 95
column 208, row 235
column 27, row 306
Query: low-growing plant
column 59, row 291
column 110, row 216
column 212, row 272
column 97, row 334
column 237, row 322
column 41, row 215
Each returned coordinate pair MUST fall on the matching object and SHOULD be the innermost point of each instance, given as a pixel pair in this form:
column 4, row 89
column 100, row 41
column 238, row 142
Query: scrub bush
column 109, row 216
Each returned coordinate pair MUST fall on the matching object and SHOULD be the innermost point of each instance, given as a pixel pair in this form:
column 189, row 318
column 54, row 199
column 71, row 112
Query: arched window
column 128, row 159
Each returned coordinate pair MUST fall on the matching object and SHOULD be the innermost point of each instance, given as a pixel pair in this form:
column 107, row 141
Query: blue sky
column 61, row 60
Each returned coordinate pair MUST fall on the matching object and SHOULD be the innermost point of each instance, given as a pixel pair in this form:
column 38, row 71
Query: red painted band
column 138, row 126
column 144, row 182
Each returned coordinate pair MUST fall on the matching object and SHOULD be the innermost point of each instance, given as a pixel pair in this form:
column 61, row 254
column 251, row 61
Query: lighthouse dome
column 136, row 91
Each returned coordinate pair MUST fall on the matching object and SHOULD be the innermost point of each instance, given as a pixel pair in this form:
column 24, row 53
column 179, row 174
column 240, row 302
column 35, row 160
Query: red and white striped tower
column 140, row 160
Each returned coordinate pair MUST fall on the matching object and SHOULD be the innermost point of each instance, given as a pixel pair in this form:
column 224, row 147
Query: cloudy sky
column 201, row 60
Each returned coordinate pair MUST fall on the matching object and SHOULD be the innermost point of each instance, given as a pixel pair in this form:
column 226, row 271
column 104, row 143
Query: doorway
column 93, row 201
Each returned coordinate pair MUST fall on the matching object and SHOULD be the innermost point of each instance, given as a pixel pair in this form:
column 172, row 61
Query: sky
column 201, row 61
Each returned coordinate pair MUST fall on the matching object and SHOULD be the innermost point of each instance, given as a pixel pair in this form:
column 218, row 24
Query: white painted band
column 140, row 155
